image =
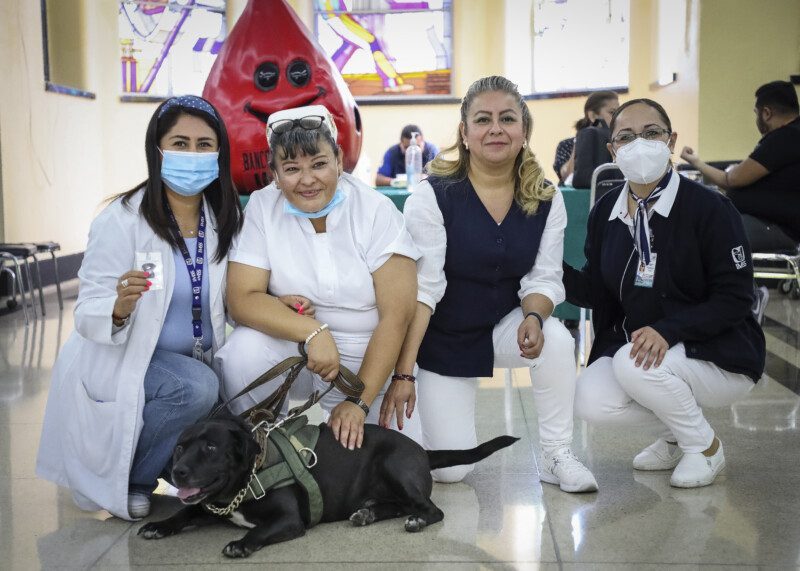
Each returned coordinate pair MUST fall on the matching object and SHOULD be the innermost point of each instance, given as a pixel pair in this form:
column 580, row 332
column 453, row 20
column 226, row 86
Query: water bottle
column 413, row 163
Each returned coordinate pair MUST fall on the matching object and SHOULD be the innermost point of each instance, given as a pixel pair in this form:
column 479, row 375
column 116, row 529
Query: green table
column 398, row 195
column 577, row 202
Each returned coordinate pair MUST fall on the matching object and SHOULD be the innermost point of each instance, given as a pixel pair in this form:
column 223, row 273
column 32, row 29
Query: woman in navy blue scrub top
column 491, row 232
column 670, row 281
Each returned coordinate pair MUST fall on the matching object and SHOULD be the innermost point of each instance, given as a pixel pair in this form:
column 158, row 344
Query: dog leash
column 268, row 410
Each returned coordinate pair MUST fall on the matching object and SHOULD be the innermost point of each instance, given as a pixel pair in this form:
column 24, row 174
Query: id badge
column 151, row 262
column 646, row 273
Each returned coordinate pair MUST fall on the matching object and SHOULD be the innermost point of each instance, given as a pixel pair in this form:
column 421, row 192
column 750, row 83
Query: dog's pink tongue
column 184, row 493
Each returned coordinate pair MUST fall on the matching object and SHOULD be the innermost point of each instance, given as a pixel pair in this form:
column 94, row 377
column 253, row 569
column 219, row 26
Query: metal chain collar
column 261, row 436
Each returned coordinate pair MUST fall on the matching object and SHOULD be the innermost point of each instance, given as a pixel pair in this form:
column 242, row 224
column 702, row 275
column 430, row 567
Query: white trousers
column 666, row 399
column 447, row 404
column 248, row 353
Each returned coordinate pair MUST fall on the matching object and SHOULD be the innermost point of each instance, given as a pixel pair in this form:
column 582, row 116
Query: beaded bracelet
column 401, row 377
column 316, row 332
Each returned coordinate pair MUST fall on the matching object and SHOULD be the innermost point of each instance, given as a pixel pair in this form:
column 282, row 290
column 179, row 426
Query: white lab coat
column 94, row 410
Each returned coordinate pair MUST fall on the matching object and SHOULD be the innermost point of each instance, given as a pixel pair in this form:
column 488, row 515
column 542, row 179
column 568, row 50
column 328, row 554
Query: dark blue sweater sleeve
column 729, row 277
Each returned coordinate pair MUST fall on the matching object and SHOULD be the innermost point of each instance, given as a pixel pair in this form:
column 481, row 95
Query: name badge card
column 646, row 273
column 151, row 262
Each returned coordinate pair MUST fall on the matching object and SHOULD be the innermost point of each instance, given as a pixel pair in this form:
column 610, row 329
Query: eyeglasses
column 650, row 134
column 309, row 123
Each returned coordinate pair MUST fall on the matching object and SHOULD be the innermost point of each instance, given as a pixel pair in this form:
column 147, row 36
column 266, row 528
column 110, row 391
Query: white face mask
column 643, row 161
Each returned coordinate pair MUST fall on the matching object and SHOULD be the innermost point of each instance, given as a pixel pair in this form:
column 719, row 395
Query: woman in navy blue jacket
column 491, row 232
column 669, row 278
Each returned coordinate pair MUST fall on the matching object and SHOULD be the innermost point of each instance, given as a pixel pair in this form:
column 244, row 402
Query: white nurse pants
column 248, row 353
column 447, row 404
column 667, row 399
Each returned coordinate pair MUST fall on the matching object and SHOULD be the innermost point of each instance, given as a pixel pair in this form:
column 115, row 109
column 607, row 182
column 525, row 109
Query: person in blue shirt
column 394, row 160
column 669, row 279
column 490, row 229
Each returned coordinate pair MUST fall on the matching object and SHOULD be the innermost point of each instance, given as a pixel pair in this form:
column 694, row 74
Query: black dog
column 389, row 476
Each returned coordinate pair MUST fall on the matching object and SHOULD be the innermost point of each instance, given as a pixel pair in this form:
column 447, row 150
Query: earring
column 524, row 144
column 466, row 145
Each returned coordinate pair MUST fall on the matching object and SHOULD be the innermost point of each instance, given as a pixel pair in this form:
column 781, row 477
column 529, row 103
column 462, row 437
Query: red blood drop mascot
column 271, row 62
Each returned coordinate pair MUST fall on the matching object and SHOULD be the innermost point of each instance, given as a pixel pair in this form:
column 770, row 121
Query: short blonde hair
column 530, row 186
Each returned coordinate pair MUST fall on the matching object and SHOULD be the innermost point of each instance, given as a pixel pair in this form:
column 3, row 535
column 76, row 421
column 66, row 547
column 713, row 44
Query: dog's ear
column 245, row 445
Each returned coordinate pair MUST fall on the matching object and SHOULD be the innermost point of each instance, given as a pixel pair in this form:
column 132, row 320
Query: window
column 64, row 48
column 672, row 17
column 390, row 47
column 167, row 47
column 580, row 45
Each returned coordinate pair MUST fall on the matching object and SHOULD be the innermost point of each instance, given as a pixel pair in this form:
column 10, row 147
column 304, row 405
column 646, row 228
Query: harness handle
column 346, row 381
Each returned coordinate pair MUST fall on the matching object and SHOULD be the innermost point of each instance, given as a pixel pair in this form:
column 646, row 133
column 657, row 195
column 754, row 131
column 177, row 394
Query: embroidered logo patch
column 737, row 254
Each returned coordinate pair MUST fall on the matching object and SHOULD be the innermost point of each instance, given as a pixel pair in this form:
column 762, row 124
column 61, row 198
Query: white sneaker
column 562, row 468
column 696, row 469
column 660, row 455
column 138, row 505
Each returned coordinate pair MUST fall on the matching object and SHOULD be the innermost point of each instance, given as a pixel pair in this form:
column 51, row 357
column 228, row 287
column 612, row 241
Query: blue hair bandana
column 190, row 102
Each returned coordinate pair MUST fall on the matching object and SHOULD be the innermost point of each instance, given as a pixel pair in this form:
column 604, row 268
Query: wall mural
column 168, row 47
column 389, row 47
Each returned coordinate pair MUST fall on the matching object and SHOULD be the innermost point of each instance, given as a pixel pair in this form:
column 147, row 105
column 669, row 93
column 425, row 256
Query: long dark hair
column 220, row 194
column 594, row 103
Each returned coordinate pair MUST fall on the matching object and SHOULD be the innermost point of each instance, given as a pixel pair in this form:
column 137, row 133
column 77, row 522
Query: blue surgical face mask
column 189, row 173
column 337, row 199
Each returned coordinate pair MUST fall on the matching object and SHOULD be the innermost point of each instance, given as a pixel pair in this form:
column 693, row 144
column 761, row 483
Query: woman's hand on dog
column 347, row 424
column 400, row 396
column 323, row 356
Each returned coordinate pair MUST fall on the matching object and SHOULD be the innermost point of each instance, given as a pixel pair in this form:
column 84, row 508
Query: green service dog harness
column 287, row 445
column 286, row 456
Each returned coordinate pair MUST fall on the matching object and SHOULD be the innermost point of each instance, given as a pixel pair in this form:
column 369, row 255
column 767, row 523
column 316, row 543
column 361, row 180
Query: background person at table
column 319, row 233
column 126, row 384
column 765, row 187
column 597, row 112
column 394, row 160
column 491, row 232
column 669, row 277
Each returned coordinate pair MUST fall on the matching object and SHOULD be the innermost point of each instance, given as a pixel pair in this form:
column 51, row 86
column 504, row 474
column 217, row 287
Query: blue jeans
column 179, row 391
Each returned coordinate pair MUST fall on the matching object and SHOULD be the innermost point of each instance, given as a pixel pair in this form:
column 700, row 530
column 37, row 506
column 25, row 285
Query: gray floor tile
column 501, row 517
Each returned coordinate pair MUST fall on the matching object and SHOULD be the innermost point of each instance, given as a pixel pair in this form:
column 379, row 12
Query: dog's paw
column 236, row 550
column 415, row 523
column 362, row 517
column 155, row 530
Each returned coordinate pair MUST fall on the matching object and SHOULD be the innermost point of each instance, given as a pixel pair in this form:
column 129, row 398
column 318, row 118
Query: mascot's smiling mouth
column 264, row 117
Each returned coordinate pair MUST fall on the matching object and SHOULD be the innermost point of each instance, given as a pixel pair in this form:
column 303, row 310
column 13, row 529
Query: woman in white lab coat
column 149, row 316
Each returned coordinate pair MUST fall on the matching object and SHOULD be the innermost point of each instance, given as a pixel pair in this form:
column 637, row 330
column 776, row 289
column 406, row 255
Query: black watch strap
column 537, row 316
column 360, row 403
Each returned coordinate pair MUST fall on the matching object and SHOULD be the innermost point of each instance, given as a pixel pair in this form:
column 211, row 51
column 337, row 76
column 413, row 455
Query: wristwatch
column 360, row 403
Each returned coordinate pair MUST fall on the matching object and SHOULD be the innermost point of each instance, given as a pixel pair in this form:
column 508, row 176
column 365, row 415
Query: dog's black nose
column 180, row 473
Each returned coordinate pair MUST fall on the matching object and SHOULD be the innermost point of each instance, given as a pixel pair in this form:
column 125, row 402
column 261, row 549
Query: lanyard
column 641, row 220
column 195, row 275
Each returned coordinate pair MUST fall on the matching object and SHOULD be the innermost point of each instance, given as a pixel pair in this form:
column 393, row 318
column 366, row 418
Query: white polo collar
column 663, row 205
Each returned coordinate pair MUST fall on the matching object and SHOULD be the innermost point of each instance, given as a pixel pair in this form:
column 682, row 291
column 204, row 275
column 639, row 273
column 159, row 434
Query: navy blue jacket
column 484, row 264
column 706, row 300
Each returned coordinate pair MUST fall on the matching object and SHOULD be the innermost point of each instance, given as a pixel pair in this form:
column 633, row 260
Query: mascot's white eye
column 210, row 446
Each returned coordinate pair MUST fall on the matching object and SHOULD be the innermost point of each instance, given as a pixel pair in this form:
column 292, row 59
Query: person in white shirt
column 318, row 233
column 491, row 233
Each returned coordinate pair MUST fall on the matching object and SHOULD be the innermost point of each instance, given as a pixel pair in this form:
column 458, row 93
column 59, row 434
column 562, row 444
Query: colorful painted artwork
column 389, row 47
column 167, row 47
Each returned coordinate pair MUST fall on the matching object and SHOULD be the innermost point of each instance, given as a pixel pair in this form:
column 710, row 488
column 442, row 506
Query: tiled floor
column 501, row 517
